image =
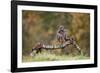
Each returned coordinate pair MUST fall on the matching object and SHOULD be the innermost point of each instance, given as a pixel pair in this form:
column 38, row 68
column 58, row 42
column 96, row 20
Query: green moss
column 45, row 56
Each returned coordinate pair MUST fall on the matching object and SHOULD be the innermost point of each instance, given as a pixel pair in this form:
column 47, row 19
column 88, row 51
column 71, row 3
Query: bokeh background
column 43, row 25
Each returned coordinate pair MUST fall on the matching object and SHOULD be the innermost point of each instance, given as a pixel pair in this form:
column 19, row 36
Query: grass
column 45, row 56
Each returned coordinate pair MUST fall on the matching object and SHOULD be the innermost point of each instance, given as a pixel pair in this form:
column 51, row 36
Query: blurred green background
column 43, row 25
